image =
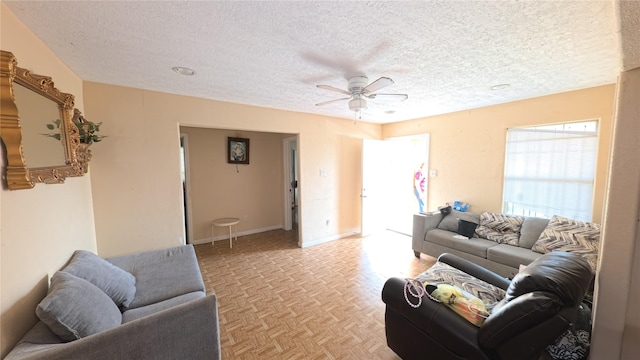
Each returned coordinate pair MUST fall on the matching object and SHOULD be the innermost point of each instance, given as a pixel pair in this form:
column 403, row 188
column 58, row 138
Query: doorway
column 394, row 185
column 408, row 181
column 291, row 183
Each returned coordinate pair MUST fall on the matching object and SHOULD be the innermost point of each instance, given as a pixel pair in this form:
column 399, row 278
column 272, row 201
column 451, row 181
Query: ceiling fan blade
column 394, row 97
column 331, row 101
column 331, row 88
column 377, row 85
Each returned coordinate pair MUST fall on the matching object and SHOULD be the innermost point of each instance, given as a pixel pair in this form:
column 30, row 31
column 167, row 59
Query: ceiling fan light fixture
column 357, row 104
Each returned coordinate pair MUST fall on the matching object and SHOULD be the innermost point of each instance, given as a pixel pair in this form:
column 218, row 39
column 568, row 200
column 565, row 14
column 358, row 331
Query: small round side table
column 230, row 222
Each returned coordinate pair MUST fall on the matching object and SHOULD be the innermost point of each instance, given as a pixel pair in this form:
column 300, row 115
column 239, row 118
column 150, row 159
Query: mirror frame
column 77, row 155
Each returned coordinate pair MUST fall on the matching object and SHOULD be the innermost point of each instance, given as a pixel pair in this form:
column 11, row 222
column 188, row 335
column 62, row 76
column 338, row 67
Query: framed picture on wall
column 237, row 150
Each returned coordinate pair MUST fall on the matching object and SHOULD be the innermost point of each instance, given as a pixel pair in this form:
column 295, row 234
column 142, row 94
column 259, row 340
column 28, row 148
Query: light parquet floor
column 278, row 301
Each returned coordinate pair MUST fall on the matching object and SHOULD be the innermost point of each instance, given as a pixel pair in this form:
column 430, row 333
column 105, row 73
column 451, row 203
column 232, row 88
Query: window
column 549, row 170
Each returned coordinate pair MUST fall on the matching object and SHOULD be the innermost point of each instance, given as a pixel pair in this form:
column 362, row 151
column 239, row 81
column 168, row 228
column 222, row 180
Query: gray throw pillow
column 117, row 283
column 531, row 230
column 450, row 222
column 75, row 308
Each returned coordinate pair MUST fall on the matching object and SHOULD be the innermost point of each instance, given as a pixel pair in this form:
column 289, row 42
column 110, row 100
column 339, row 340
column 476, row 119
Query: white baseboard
column 275, row 227
column 241, row 233
column 327, row 239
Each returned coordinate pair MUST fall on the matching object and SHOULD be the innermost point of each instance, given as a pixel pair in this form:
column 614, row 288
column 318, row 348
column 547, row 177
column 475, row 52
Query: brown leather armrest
column 475, row 270
column 436, row 319
column 521, row 346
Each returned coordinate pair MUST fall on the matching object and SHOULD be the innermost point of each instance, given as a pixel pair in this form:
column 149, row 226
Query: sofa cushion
column 118, row 284
column 503, row 229
column 530, row 231
column 513, row 256
column 450, row 222
column 562, row 234
column 162, row 274
column 74, row 308
column 473, row 246
column 143, row 311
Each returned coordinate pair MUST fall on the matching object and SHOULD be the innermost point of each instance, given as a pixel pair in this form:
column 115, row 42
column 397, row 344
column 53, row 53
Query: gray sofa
column 435, row 234
column 149, row 305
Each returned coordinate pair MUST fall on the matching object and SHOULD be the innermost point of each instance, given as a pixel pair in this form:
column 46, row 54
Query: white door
column 374, row 165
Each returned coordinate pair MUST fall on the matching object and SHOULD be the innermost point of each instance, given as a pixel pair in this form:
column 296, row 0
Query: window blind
column 550, row 170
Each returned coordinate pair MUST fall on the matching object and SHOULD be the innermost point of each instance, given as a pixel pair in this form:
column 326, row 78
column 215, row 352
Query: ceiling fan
column 358, row 90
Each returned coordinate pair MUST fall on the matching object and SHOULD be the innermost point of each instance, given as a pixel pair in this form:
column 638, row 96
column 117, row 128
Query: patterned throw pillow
column 500, row 228
column 562, row 234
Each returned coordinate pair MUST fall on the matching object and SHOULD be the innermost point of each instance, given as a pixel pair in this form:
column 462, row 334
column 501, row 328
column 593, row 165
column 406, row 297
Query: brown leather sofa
column 540, row 304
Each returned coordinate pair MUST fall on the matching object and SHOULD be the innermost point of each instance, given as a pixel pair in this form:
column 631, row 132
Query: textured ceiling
column 629, row 24
column 446, row 55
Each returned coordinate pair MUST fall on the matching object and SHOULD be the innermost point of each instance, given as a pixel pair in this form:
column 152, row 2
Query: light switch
column 433, row 173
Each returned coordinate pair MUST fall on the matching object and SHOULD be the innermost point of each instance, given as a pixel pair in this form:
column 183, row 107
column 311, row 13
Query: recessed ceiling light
column 389, row 112
column 183, row 70
column 500, row 87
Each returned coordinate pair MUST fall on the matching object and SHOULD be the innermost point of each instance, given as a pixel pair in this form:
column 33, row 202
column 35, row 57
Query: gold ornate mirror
column 42, row 143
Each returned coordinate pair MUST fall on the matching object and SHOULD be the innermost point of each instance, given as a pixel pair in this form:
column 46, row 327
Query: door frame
column 288, row 144
column 184, row 139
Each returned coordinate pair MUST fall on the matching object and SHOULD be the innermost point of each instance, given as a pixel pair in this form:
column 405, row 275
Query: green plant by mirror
column 86, row 129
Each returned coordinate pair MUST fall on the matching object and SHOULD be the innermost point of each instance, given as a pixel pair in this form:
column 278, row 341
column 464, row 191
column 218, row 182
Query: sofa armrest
column 186, row 331
column 422, row 223
column 441, row 323
column 475, row 270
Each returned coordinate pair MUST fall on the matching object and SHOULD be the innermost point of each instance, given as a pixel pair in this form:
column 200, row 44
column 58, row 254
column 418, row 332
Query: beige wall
column 135, row 178
column 617, row 316
column 41, row 227
column 253, row 192
column 467, row 147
